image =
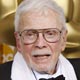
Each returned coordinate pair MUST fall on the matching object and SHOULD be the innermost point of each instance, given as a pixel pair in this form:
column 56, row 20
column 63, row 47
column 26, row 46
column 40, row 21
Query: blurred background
column 7, row 41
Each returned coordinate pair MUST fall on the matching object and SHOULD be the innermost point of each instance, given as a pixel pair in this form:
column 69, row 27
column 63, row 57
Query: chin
column 43, row 68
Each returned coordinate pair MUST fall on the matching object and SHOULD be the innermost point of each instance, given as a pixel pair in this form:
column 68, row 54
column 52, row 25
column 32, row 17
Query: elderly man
column 40, row 33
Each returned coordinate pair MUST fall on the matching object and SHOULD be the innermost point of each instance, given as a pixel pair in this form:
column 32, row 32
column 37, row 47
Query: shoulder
column 75, row 62
column 6, row 64
column 76, row 65
column 5, row 70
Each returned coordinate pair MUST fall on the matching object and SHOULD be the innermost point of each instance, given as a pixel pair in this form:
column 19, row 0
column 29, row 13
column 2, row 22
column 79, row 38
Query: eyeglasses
column 30, row 36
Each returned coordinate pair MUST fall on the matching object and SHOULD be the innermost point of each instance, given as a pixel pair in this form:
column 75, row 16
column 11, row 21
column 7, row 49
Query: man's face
column 41, row 55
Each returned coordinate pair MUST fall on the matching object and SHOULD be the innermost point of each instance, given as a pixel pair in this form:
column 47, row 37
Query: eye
column 30, row 33
column 51, row 33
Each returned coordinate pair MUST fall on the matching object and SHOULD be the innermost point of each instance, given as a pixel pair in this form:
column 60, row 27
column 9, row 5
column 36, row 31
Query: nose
column 40, row 43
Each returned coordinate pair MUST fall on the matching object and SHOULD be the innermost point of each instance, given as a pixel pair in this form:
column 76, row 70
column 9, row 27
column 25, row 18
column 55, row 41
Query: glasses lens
column 52, row 35
column 29, row 36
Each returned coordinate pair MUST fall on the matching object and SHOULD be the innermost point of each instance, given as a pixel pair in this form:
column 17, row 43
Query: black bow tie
column 61, row 77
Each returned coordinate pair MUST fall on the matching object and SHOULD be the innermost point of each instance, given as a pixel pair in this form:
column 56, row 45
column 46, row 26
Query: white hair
column 41, row 5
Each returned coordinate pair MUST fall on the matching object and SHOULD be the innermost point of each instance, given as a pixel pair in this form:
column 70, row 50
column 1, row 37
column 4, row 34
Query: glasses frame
column 40, row 31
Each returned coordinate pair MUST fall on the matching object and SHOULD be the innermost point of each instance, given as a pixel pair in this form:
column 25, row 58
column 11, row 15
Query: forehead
column 39, row 20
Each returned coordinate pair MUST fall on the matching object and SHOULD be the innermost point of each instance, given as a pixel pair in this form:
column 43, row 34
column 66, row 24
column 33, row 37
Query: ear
column 64, row 39
column 18, row 42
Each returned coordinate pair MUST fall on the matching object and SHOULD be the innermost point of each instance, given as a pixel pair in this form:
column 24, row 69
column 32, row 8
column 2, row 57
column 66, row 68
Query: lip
column 41, row 58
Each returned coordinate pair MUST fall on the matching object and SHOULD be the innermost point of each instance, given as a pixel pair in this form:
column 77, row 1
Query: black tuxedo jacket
column 5, row 69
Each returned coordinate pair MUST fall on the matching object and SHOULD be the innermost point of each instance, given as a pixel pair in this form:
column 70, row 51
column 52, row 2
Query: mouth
column 41, row 58
column 45, row 55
